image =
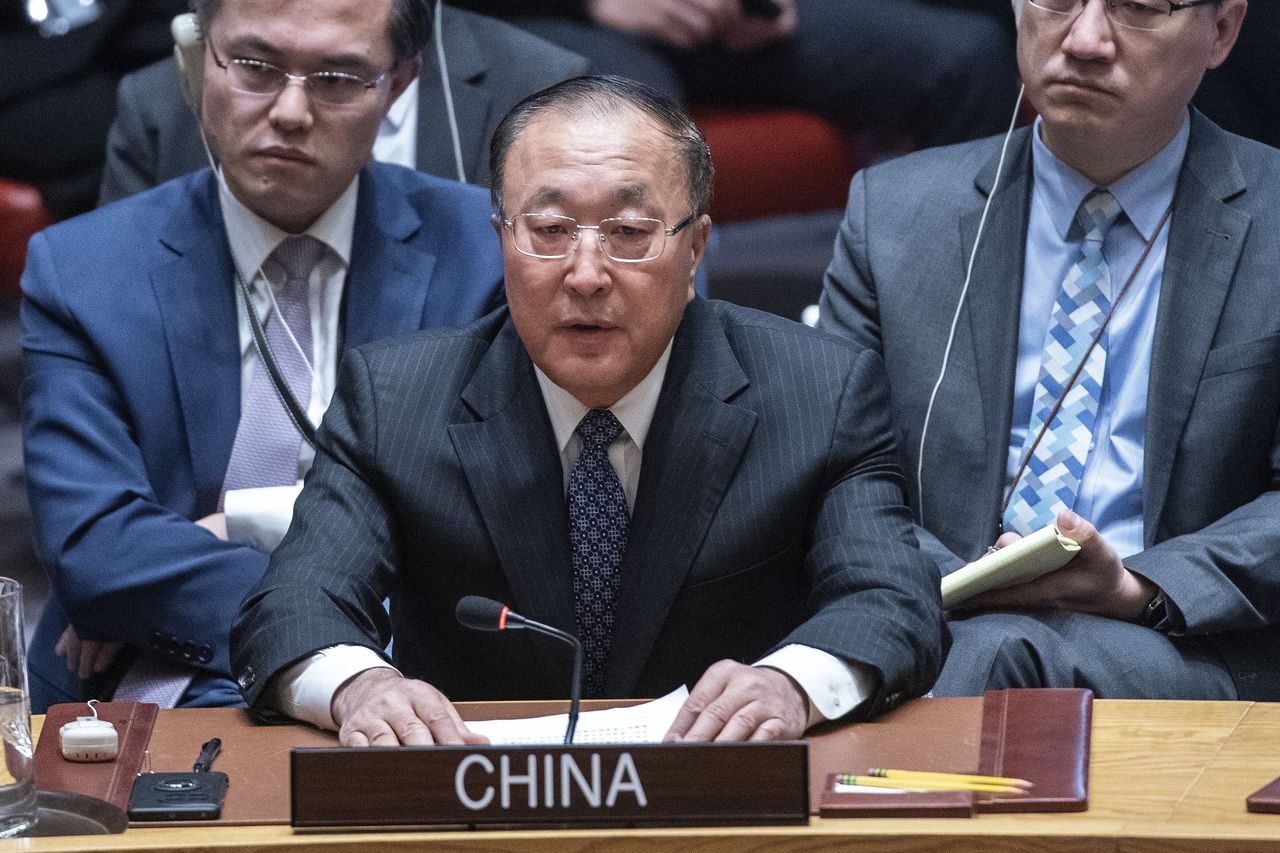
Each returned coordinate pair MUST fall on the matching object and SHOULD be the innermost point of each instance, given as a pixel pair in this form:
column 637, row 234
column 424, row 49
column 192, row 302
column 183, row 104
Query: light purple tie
column 265, row 452
column 266, row 448
column 155, row 680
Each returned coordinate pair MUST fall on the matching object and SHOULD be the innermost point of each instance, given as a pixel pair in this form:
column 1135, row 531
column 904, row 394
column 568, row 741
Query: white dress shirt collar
column 253, row 238
column 634, row 411
column 397, row 140
column 400, row 107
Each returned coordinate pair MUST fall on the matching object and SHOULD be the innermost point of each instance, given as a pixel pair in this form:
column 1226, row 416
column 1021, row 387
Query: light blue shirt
column 1110, row 493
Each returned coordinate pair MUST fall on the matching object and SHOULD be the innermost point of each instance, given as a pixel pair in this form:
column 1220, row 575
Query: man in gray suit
column 1131, row 242
column 688, row 486
column 491, row 66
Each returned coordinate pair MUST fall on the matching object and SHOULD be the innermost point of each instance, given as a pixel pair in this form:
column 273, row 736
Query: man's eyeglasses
column 628, row 239
column 255, row 77
column 1133, row 14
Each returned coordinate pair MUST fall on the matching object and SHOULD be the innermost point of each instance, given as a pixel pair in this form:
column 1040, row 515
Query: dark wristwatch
column 1156, row 614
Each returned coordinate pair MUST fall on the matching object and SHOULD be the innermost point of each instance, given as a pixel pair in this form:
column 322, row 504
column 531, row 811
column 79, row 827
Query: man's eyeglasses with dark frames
column 626, row 239
column 255, row 77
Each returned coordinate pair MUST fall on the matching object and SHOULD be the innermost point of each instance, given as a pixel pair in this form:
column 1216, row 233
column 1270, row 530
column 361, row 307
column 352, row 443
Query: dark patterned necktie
column 598, row 534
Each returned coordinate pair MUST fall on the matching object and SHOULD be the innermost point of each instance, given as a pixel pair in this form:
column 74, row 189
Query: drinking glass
column 17, row 777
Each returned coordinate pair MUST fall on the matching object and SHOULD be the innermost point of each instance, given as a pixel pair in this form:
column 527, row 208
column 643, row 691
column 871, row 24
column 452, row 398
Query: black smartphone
column 178, row 796
column 767, row 9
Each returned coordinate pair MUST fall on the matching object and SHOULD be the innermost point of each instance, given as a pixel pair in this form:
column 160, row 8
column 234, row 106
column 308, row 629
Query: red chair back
column 776, row 162
column 22, row 213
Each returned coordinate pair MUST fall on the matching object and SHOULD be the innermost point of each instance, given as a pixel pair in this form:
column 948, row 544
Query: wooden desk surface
column 1164, row 776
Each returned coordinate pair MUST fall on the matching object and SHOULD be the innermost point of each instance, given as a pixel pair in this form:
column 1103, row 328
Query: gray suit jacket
column 1211, row 494
column 492, row 66
column 769, row 511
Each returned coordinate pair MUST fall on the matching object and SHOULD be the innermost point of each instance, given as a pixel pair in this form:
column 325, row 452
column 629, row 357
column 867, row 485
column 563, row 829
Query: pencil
column 948, row 777
column 929, row 785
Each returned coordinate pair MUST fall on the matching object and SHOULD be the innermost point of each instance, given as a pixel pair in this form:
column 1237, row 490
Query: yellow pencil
column 930, row 785
column 948, row 777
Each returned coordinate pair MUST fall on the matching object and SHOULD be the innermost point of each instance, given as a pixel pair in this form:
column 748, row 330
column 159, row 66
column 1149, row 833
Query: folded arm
column 124, row 565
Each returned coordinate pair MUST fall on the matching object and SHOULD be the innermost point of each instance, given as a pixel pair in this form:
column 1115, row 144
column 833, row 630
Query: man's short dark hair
column 607, row 96
column 408, row 25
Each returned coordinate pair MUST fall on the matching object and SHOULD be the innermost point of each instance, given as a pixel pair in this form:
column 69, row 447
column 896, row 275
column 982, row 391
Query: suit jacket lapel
column 390, row 276
column 513, row 468
column 1206, row 236
column 692, row 449
column 993, row 304
column 192, row 281
column 467, row 67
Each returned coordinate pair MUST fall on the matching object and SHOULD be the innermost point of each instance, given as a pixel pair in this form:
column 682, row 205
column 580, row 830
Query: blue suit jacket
column 132, row 398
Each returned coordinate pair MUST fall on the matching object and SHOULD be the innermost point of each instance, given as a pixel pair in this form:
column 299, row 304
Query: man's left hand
column 86, row 658
column 1095, row 581
column 733, row 701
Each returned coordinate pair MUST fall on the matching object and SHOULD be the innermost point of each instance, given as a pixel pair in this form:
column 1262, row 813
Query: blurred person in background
column 933, row 72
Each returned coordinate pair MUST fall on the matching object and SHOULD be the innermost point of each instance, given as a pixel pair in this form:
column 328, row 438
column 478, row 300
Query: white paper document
column 645, row 723
column 1034, row 555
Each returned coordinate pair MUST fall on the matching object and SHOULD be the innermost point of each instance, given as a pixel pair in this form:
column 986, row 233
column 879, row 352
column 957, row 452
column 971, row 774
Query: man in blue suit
column 149, row 409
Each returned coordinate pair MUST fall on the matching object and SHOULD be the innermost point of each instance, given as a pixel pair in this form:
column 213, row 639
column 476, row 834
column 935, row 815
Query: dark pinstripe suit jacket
column 769, row 511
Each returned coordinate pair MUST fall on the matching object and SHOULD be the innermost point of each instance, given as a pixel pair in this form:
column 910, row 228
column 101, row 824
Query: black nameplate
column 680, row 784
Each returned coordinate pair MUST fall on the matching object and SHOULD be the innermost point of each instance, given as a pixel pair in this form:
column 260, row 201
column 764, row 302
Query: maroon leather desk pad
column 1039, row 735
column 1265, row 800
column 927, row 734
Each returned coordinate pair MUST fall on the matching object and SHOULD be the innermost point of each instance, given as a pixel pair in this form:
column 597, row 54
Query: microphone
column 484, row 614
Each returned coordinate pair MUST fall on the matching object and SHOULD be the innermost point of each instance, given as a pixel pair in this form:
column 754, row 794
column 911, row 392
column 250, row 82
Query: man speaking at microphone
column 1114, row 367
column 699, row 492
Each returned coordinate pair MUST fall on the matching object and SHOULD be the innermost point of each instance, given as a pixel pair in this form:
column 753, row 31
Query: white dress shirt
column 305, row 690
column 259, row 517
column 397, row 140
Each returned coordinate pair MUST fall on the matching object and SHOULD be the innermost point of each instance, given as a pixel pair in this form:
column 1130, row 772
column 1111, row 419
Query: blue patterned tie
column 598, row 534
column 1052, row 475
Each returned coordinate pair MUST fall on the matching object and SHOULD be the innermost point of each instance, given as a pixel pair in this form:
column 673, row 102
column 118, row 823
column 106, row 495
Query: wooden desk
column 1165, row 776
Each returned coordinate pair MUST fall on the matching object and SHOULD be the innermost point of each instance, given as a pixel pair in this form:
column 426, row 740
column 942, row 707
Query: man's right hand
column 685, row 24
column 1095, row 580
column 86, row 657
column 380, row 707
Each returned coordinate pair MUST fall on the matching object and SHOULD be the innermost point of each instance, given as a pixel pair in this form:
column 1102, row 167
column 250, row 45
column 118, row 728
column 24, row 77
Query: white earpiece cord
column 964, row 291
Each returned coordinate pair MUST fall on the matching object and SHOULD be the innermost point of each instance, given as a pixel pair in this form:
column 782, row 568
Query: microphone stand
column 484, row 614
column 575, row 685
